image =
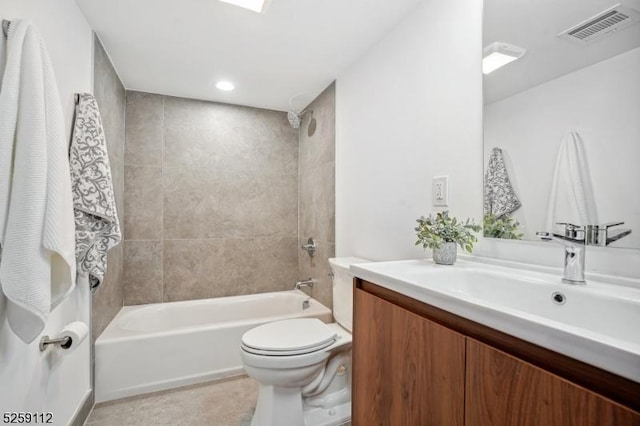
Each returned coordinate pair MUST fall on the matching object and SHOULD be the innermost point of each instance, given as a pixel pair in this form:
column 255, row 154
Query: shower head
column 295, row 118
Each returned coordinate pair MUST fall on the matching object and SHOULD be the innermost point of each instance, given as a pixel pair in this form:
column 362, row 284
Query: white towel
column 571, row 199
column 97, row 226
column 37, row 269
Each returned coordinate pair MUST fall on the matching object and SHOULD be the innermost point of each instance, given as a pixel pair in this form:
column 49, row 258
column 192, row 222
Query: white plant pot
column 446, row 254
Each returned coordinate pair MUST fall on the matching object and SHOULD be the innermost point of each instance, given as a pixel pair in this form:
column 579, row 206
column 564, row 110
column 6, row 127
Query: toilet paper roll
column 77, row 331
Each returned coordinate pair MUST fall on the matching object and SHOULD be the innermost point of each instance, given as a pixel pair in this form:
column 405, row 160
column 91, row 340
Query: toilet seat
column 289, row 337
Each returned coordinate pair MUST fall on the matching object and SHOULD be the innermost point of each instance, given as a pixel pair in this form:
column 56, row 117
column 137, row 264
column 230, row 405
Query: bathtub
column 153, row 347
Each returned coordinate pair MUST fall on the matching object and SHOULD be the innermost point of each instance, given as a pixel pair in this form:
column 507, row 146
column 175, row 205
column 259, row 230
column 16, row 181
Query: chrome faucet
column 574, row 241
column 305, row 283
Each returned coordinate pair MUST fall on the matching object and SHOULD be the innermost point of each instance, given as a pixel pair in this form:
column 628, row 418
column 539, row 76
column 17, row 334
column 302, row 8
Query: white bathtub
column 159, row 346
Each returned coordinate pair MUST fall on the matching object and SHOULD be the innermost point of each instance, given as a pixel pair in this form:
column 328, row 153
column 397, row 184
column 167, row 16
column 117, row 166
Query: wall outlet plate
column 440, row 191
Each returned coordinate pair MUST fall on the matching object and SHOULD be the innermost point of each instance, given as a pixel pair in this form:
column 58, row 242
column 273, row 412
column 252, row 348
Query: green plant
column 501, row 227
column 433, row 231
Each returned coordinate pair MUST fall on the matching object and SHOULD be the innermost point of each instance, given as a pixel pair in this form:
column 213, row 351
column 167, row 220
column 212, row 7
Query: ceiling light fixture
column 499, row 54
column 226, row 86
column 258, row 6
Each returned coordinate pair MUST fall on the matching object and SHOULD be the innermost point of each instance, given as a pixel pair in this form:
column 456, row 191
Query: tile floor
column 222, row 403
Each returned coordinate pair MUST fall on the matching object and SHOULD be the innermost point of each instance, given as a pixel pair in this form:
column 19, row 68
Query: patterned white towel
column 97, row 226
column 499, row 196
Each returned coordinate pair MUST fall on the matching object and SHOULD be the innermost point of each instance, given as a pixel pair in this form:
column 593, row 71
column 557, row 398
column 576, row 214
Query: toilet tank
column 343, row 289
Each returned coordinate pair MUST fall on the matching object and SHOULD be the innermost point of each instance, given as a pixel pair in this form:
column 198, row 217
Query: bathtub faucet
column 305, row 283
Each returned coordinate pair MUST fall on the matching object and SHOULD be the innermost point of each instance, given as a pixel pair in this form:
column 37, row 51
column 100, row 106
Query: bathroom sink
column 596, row 323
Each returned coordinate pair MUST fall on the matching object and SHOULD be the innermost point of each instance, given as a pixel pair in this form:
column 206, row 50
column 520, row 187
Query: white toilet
column 304, row 365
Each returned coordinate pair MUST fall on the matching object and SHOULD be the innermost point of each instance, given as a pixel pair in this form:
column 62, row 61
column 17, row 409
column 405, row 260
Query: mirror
column 562, row 119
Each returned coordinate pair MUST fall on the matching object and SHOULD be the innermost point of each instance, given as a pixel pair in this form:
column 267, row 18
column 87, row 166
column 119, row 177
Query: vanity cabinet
column 503, row 390
column 407, row 370
column 414, row 364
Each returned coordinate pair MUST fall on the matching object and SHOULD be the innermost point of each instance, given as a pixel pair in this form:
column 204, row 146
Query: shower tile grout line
column 162, row 198
column 124, row 237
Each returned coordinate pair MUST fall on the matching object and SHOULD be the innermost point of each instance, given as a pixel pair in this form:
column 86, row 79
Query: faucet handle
column 567, row 241
column 571, row 230
column 610, row 224
column 571, row 226
column 547, row 236
column 310, row 247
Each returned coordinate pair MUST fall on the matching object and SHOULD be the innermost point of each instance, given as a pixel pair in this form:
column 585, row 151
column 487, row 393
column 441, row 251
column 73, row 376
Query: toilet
column 304, row 365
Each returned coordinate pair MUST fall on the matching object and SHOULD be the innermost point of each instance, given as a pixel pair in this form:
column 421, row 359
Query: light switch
column 441, row 191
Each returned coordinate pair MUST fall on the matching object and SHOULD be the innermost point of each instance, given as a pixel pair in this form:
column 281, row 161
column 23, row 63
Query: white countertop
column 599, row 324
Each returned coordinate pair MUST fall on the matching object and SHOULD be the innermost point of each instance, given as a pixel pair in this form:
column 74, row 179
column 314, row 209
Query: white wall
column 410, row 109
column 29, row 380
column 602, row 103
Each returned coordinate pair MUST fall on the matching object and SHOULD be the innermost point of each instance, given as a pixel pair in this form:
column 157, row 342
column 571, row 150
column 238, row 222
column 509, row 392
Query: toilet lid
column 289, row 337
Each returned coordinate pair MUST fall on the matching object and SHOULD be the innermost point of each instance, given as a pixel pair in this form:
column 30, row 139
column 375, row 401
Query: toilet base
column 291, row 408
column 334, row 416
column 286, row 412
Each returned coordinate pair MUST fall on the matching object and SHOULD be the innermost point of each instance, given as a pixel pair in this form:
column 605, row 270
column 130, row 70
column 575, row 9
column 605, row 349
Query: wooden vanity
column 415, row 364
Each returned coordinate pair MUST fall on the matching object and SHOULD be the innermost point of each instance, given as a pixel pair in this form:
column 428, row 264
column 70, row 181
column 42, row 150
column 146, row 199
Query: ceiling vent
column 601, row 25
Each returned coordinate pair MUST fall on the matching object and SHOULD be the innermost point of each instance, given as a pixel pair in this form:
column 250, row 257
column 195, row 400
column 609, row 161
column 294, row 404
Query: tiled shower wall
column 211, row 200
column 316, row 175
column 110, row 95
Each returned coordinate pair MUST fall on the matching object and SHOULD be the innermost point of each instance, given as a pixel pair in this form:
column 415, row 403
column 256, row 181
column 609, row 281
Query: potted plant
column 501, row 227
column 443, row 233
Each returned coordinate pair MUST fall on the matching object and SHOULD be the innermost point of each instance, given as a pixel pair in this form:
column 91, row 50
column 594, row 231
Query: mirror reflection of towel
column 499, row 197
column 571, row 199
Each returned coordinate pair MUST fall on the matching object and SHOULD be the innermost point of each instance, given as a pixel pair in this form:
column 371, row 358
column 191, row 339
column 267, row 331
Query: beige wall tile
column 117, row 177
column 259, row 265
column 231, row 139
column 204, row 268
column 142, row 272
column 110, row 94
column 227, row 205
column 317, row 203
column 107, row 300
column 318, row 268
column 316, row 171
column 316, row 177
column 193, row 269
column 205, row 203
column 319, row 148
column 143, row 203
column 144, row 129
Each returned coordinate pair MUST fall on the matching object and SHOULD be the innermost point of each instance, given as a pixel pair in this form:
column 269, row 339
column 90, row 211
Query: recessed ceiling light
column 499, row 54
column 254, row 5
column 226, row 86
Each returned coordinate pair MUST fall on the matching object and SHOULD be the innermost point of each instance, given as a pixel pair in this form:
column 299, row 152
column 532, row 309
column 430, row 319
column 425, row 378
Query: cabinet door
column 406, row 370
column 504, row 391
